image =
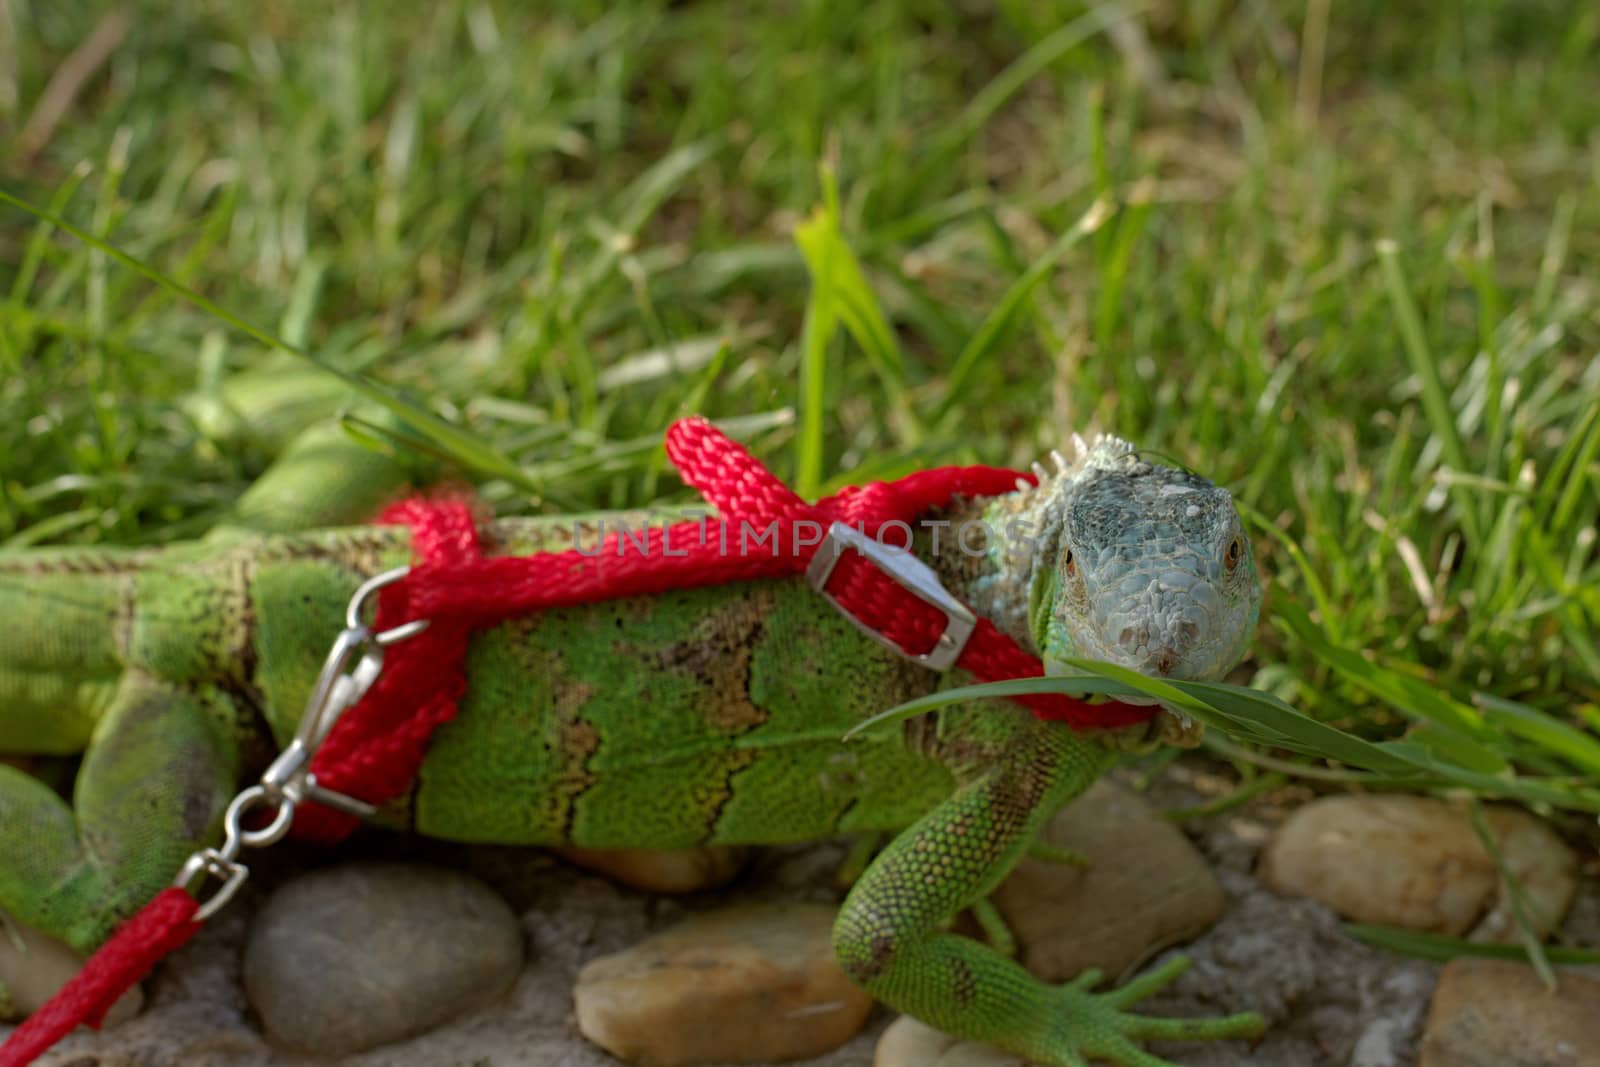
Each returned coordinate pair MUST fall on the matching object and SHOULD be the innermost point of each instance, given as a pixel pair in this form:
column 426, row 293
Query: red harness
column 377, row 746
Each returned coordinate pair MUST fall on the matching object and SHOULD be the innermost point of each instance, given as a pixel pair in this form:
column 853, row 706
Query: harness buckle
column 910, row 574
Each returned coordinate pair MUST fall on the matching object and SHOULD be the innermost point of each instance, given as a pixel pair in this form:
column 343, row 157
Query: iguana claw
column 1089, row 1025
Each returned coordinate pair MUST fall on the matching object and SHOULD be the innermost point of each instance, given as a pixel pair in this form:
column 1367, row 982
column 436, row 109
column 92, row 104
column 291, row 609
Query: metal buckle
column 910, row 574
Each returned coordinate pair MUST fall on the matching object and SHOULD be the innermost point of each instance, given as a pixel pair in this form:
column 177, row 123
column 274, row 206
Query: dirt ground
column 1329, row 1000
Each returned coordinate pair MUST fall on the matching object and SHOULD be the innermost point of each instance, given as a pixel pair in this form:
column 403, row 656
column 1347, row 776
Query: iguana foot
column 1048, row 852
column 1087, row 1026
column 863, row 850
column 994, row 926
column 151, row 789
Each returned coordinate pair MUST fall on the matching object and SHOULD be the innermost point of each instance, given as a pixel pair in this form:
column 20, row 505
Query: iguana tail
column 63, row 620
column 160, row 758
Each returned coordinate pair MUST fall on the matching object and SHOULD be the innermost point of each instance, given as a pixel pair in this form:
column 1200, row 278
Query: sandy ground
column 1330, row 1000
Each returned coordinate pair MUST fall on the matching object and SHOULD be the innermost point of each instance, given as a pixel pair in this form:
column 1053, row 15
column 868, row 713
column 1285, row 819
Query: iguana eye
column 1235, row 553
column 1070, row 565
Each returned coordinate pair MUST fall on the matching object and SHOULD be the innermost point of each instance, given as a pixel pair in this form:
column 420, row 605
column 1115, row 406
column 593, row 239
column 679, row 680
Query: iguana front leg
column 889, row 935
column 152, row 787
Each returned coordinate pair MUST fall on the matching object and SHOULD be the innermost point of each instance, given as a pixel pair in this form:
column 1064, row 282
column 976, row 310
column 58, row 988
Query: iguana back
column 710, row 714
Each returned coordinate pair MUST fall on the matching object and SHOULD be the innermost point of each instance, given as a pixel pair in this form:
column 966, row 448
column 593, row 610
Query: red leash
column 160, row 927
column 375, row 749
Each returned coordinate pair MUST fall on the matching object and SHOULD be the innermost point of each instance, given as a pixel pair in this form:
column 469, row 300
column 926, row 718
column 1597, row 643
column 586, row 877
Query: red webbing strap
column 377, row 746
column 703, row 554
column 138, row 945
column 691, row 554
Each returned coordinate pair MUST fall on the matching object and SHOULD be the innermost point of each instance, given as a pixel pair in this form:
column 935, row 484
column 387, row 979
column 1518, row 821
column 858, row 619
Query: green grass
column 1350, row 274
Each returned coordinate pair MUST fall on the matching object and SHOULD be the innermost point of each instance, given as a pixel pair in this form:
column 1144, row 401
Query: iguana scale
column 710, row 715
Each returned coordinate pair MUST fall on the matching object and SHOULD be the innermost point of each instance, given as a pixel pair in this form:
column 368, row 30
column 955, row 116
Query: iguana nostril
column 1133, row 636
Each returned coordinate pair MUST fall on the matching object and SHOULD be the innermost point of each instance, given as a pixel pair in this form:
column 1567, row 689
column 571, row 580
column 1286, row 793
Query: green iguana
column 711, row 715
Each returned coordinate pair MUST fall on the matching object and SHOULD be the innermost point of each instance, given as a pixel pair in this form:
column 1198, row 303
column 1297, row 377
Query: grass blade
column 1441, row 948
column 461, row 446
column 992, row 97
column 1514, row 895
column 1435, row 402
column 998, row 325
column 837, row 275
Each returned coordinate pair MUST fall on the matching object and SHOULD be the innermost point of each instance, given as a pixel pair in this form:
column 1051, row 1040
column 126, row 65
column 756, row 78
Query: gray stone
column 1417, row 862
column 746, row 985
column 1146, row 887
column 33, row 967
column 350, row 957
column 659, row 870
column 1495, row 1013
column 909, row 1043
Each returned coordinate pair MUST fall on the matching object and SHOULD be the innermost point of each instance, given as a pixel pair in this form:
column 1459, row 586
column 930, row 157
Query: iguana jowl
column 710, row 715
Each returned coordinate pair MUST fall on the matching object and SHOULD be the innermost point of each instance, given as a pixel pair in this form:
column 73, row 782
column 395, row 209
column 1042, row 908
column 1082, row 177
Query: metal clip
column 210, row 861
column 912, row 575
column 288, row 782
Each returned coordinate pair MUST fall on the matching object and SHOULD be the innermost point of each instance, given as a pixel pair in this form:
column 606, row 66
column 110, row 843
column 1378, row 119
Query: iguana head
column 1141, row 565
